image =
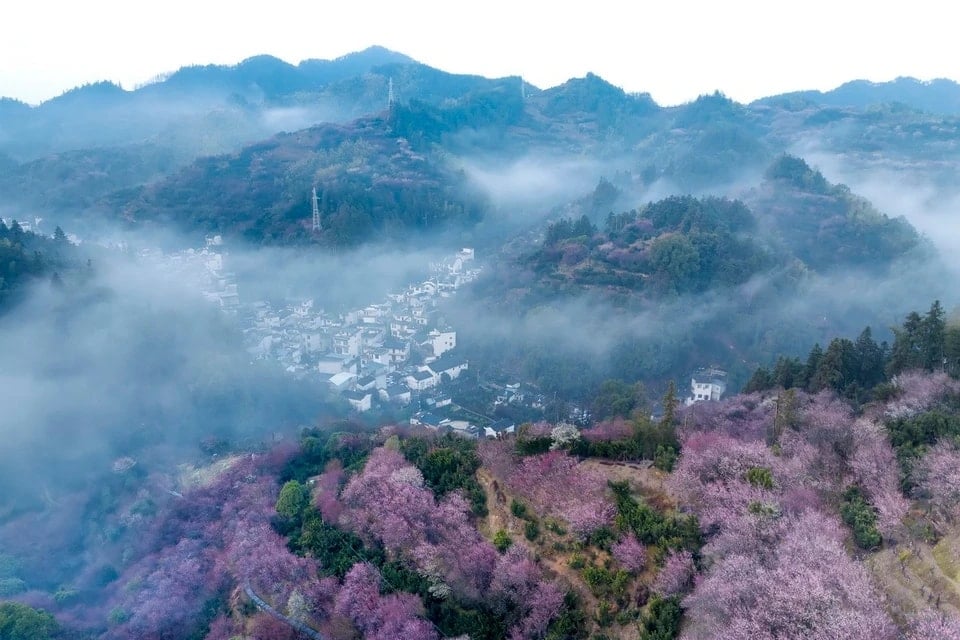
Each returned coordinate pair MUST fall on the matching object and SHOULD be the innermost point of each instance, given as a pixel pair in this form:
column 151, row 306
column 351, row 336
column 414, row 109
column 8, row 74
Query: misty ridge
column 621, row 245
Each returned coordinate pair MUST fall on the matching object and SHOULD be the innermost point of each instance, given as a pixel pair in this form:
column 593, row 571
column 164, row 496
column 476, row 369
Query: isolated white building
column 707, row 384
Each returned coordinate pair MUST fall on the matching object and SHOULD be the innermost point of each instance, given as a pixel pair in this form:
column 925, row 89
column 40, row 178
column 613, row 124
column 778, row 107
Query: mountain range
column 282, row 130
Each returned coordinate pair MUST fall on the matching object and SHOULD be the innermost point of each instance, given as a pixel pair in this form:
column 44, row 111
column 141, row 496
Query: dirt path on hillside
column 923, row 577
column 645, row 480
column 500, row 517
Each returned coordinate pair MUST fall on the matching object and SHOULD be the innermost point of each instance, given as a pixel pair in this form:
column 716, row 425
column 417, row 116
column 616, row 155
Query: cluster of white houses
column 202, row 269
column 363, row 353
column 397, row 351
column 369, row 353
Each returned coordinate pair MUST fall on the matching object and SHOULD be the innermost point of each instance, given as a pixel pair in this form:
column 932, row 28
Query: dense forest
column 659, row 291
column 683, row 244
column 26, row 256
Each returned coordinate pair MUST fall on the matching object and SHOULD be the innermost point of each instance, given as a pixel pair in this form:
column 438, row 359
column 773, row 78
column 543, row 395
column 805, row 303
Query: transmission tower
column 316, row 211
column 390, row 96
column 523, row 89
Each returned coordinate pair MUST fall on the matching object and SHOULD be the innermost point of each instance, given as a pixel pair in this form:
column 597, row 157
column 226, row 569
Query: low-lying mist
column 916, row 191
column 126, row 363
column 571, row 338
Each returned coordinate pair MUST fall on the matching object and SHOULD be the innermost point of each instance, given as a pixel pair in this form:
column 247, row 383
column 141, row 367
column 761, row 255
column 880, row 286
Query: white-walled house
column 332, row 364
column 428, row 420
column 347, row 343
column 342, row 381
column 397, row 350
column 499, row 427
column 441, row 341
column 398, row 394
column 706, row 385
column 360, row 400
column 450, row 364
column 421, row 380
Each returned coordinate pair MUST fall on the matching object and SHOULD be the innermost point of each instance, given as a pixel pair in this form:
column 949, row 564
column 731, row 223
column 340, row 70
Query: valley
column 361, row 348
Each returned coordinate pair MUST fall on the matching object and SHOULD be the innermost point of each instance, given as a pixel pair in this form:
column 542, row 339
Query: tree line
column 859, row 369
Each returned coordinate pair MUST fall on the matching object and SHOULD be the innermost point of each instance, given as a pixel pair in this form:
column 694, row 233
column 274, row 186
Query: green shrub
column 605, row 615
column 519, row 509
column 502, row 541
column 531, row 531
column 759, row 477
column 861, row 517
column 555, row 527
column 662, row 620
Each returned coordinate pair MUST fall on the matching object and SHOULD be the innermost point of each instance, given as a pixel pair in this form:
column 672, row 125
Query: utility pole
column 316, row 211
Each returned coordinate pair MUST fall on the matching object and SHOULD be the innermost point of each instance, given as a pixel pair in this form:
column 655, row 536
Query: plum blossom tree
column 918, row 391
column 615, row 429
column 563, row 435
column 380, row 617
column 326, row 490
column 498, row 456
column 776, row 562
column 746, row 417
column 388, row 502
column 934, row 624
column 938, row 480
column 630, row 553
column 539, row 610
column 519, row 592
column 214, row 537
column 676, row 575
column 556, row 484
column 874, row 467
column 805, row 586
column 223, row 628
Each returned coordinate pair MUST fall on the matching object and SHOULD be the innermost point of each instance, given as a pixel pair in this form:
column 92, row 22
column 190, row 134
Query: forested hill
column 369, row 180
column 657, row 291
column 795, row 220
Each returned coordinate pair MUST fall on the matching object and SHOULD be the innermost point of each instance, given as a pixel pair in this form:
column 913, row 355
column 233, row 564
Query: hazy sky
column 675, row 50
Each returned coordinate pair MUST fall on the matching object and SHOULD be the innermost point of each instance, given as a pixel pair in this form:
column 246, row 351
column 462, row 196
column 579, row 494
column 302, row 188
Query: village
column 395, row 357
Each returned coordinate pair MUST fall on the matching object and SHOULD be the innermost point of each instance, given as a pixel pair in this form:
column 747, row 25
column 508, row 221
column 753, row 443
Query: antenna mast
column 316, row 211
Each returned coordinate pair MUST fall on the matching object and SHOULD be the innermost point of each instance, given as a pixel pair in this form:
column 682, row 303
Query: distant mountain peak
column 382, row 55
column 96, row 90
column 939, row 95
column 263, row 59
